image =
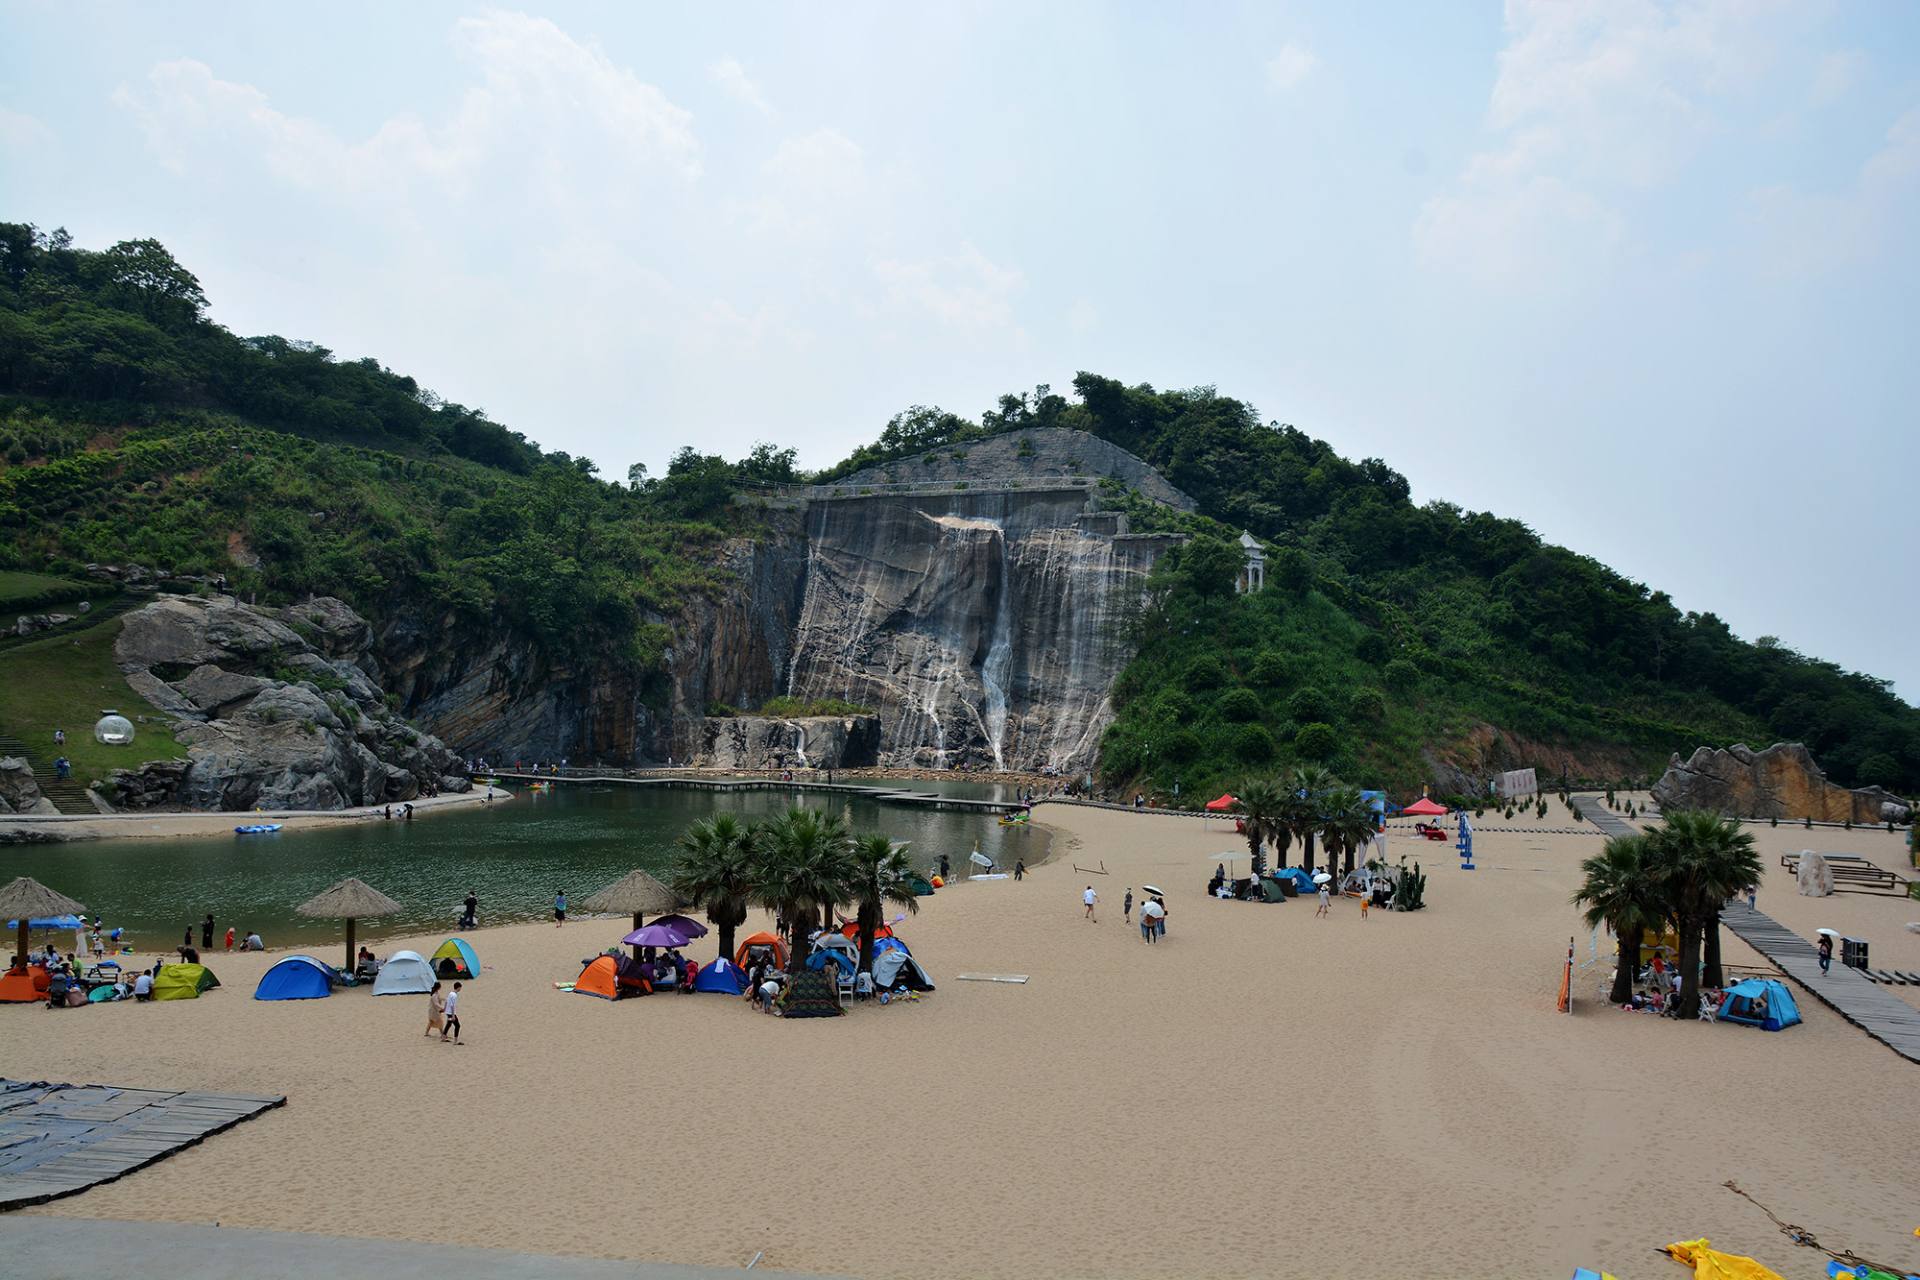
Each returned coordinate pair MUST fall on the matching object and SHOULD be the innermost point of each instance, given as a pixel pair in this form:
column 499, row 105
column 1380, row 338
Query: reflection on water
column 514, row 854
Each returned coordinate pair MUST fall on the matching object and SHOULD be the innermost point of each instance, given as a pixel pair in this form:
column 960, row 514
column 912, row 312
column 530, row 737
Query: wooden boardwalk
column 60, row 1139
column 1882, row 1015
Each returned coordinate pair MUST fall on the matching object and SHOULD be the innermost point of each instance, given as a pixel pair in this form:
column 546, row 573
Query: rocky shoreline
column 57, row 828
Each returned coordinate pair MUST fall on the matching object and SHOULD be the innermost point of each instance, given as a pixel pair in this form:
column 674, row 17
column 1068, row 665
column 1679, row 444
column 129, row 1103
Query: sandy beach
column 160, row 826
column 1264, row 1094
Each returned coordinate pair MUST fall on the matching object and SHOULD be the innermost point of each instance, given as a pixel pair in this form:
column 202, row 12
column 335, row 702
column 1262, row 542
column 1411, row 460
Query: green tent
column 183, row 982
column 922, row 888
column 1275, row 890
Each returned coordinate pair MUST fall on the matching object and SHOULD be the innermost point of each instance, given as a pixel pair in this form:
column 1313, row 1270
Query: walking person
column 59, row 737
column 436, row 1011
column 1826, row 953
column 1090, row 897
column 1159, row 917
column 206, row 933
column 472, row 919
column 1019, row 868
column 453, row 1016
column 1364, row 899
column 229, row 937
column 1146, row 924
column 1326, row 903
column 1126, row 907
column 560, row 908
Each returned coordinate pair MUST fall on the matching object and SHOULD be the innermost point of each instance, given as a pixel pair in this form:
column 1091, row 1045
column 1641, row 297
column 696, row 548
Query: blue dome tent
column 295, row 978
column 723, row 976
column 1759, row 1002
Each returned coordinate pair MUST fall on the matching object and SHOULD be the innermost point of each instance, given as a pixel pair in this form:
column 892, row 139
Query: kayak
column 256, row 829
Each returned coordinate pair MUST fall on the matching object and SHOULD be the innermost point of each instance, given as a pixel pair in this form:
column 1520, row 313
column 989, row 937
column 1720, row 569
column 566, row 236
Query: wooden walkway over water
column 60, row 1139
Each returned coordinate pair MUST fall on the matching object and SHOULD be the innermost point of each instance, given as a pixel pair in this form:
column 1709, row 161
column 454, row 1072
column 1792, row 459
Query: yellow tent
column 183, row 981
column 1711, row 1264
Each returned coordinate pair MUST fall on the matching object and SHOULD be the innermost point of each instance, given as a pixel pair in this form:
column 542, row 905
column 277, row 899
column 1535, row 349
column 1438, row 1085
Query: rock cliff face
column 278, row 709
column 1779, row 782
column 984, row 629
column 804, row 742
column 1035, row 454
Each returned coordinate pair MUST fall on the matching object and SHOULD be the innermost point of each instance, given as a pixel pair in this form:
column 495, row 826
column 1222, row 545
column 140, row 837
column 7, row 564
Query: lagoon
column 514, row 854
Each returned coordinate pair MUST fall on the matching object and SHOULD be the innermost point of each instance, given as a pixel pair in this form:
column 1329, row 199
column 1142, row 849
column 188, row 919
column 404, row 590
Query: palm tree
column 715, row 871
column 1262, row 811
column 1618, row 888
column 881, row 874
column 1699, row 860
column 801, row 869
column 1306, row 786
column 1345, row 825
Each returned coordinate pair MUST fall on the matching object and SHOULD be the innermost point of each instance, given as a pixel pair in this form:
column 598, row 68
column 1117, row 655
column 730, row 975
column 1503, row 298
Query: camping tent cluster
column 404, row 973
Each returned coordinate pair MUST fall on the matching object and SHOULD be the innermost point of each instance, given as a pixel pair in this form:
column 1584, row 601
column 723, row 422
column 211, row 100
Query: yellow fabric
column 180, row 982
column 1710, row 1264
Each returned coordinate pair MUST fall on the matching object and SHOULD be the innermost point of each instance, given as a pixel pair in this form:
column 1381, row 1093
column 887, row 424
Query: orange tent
column 1223, row 803
column 852, row 930
column 1425, row 808
column 610, row 978
column 761, row 940
column 24, row 986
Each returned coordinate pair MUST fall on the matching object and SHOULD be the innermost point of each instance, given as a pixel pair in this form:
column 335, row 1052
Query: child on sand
column 1126, row 908
column 560, row 908
column 229, row 937
column 1090, row 897
column 1363, row 906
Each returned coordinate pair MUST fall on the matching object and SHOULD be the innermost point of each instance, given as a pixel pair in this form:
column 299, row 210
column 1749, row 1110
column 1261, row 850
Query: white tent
column 406, row 973
column 888, row 964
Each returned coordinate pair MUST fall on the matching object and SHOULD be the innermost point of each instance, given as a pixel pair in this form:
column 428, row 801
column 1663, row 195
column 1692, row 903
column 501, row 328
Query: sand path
column 1266, row 1094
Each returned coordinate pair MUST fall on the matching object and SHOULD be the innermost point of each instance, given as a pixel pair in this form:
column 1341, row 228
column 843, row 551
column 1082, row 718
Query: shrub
column 1401, row 675
column 1271, row 668
column 1316, row 741
column 1372, row 648
column 1367, row 704
column 1205, row 672
column 1308, row 704
column 1239, row 705
column 1251, row 744
column 1179, row 746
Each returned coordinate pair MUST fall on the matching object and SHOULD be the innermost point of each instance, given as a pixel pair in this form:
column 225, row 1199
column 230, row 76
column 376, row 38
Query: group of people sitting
column 70, row 986
column 1656, row 989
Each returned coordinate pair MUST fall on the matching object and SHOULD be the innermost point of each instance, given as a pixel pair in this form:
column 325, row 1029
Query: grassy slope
column 20, row 590
column 63, row 682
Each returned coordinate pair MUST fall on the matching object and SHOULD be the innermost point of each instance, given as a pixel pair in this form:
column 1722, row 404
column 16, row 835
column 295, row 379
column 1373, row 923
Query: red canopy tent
column 1425, row 808
column 1225, row 802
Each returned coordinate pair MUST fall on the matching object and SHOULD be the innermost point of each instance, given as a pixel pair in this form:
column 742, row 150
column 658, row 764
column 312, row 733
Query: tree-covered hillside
column 132, row 428
column 1404, row 627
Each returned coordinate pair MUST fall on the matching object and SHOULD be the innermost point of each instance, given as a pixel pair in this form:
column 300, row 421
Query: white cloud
column 811, row 183
column 541, row 95
column 1290, row 66
column 1595, row 101
column 736, row 84
column 1836, row 75
column 1801, row 233
column 18, row 129
column 966, row 291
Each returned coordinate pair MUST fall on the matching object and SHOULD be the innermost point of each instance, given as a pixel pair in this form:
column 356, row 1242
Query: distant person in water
column 559, row 908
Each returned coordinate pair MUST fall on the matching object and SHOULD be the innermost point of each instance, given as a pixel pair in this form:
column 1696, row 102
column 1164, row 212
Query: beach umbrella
column 657, row 935
column 1152, row 909
column 1323, row 878
column 1155, row 889
column 635, row 894
column 351, row 900
column 685, row 924
column 27, row 898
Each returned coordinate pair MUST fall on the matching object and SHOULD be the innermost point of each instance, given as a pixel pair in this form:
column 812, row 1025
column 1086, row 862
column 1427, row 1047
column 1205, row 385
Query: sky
column 1640, row 274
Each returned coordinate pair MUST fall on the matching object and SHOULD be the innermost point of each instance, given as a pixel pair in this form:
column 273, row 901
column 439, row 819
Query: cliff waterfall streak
column 993, row 672
column 981, row 627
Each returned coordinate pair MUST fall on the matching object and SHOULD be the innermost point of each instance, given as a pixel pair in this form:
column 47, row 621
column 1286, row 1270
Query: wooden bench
column 1856, row 873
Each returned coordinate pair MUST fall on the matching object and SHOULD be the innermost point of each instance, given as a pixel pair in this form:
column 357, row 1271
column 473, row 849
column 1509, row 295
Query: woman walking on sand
column 1326, row 903
column 436, row 1011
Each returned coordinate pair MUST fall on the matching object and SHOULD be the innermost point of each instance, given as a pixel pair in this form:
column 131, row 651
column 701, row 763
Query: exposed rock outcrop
column 804, row 742
column 20, row 790
column 277, row 710
column 983, row 628
column 1780, row 782
column 1037, row 453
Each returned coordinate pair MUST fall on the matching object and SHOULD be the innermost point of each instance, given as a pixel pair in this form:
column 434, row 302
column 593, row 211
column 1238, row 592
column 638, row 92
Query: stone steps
column 68, row 795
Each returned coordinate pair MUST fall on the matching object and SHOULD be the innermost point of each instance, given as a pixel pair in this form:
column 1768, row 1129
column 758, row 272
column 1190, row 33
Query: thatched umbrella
column 636, row 894
column 29, row 899
column 353, row 899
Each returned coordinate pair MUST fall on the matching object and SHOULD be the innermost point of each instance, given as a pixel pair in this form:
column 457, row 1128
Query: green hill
column 1394, row 640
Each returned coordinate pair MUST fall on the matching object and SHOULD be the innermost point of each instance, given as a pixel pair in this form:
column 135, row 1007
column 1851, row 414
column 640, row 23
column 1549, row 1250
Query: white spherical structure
column 113, row 729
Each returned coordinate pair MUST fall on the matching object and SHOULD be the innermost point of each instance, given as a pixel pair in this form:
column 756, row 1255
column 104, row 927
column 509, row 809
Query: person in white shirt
column 453, row 1016
column 143, row 986
column 1090, row 897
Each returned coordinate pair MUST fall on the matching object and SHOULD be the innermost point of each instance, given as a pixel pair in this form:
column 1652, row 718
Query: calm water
column 514, row 854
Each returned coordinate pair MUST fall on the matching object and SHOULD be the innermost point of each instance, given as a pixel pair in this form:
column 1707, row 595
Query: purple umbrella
column 657, row 935
column 692, row 928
